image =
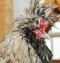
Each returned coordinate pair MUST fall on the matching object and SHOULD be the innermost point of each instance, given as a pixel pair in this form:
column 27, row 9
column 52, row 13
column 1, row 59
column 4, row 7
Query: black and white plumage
column 29, row 23
column 40, row 48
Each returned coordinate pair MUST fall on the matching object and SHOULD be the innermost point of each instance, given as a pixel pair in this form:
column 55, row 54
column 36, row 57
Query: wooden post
column 6, row 17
